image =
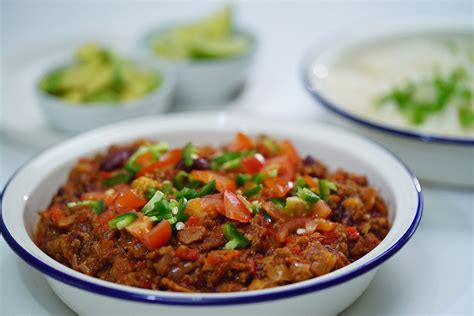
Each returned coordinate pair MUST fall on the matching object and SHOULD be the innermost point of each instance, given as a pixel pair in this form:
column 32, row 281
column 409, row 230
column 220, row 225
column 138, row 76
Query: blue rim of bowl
column 253, row 297
column 331, row 106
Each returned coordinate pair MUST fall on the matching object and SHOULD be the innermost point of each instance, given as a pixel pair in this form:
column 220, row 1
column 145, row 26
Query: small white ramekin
column 202, row 82
column 80, row 117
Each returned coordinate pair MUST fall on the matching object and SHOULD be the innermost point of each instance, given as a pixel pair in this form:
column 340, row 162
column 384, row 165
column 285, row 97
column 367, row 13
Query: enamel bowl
column 202, row 83
column 80, row 117
column 33, row 185
column 435, row 158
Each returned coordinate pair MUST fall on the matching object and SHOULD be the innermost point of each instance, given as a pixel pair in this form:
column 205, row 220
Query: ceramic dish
column 202, row 82
column 32, row 186
column 79, row 117
column 434, row 157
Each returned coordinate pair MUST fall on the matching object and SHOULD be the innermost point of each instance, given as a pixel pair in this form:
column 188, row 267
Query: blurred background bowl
column 80, row 117
column 435, row 158
column 202, row 83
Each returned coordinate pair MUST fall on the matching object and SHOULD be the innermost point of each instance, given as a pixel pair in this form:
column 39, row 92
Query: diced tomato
column 186, row 253
column 105, row 217
column 207, row 206
column 287, row 149
column 286, row 169
column 140, row 227
column 220, row 256
column 275, row 211
column 321, row 210
column 159, row 236
column 277, row 187
column 128, row 201
column 253, row 164
column 310, row 181
column 55, row 213
column 192, row 221
column 169, row 159
column 352, row 233
column 223, row 182
column 93, row 195
column 110, row 198
column 235, row 209
column 242, row 142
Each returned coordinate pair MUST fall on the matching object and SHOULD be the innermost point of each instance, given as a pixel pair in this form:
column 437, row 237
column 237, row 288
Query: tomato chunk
column 242, row 142
column 277, row 187
column 223, row 182
column 286, row 169
column 235, row 209
column 169, row 159
column 186, row 253
column 287, row 149
column 159, row 236
column 207, row 206
column 253, row 164
column 128, row 201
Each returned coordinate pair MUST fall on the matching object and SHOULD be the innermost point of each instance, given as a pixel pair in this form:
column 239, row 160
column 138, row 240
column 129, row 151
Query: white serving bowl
column 80, row 117
column 33, row 185
column 202, row 82
column 435, row 158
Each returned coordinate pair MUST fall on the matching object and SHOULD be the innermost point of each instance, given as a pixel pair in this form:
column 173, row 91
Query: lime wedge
column 221, row 48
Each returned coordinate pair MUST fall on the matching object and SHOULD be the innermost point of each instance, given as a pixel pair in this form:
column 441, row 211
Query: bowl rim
column 165, row 88
column 426, row 25
column 145, row 42
column 255, row 296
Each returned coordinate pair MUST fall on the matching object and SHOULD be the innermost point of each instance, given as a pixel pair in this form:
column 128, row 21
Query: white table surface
column 432, row 275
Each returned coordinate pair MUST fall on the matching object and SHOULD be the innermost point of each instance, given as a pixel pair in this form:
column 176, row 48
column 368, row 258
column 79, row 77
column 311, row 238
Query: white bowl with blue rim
column 202, row 83
column 80, row 117
column 435, row 157
column 33, row 185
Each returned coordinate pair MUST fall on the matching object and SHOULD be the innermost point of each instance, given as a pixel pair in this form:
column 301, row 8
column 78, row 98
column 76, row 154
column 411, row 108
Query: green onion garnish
column 241, row 178
column 166, row 187
column 325, row 188
column 180, row 178
column 231, row 164
column 150, row 205
column 187, row 193
column 234, row 237
column 258, row 178
column 252, row 191
column 207, row 189
column 307, row 195
column 97, row 206
column 181, row 216
column 118, row 178
column 189, row 151
column 279, row 201
column 122, row 221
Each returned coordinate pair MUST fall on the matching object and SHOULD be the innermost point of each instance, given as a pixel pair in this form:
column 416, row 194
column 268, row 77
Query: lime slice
column 221, row 48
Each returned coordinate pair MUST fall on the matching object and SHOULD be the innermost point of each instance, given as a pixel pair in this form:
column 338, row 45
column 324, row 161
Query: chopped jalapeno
column 122, row 221
column 234, row 237
column 189, row 151
column 307, row 195
column 179, row 179
column 118, row 178
column 252, row 191
column 279, row 202
column 207, row 189
column 241, row 178
column 187, row 193
column 97, row 206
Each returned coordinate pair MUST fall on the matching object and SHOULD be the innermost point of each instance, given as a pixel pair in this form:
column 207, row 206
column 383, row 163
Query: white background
column 432, row 275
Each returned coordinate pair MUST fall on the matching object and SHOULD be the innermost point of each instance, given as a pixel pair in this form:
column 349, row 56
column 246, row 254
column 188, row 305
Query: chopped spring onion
column 231, row 164
column 155, row 149
column 298, row 184
column 187, row 193
column 189, row 153
column 118, row 178
column 255, row 206
column 180, row 179
column 122, row 221
column 325, row 188
column 150, row 205
column 161, row 211
column 241, row 178
column 258, row 178
column 271, row 145
column 166, row 187
column 234, row 237
column 97, row 206
column 252, row 191
column 207, row 189
column 150, row 191
column 181, row 216
column 279, row 202
column 307, row 195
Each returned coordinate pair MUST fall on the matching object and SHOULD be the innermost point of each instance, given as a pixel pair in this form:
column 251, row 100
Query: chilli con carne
column 252, row 214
